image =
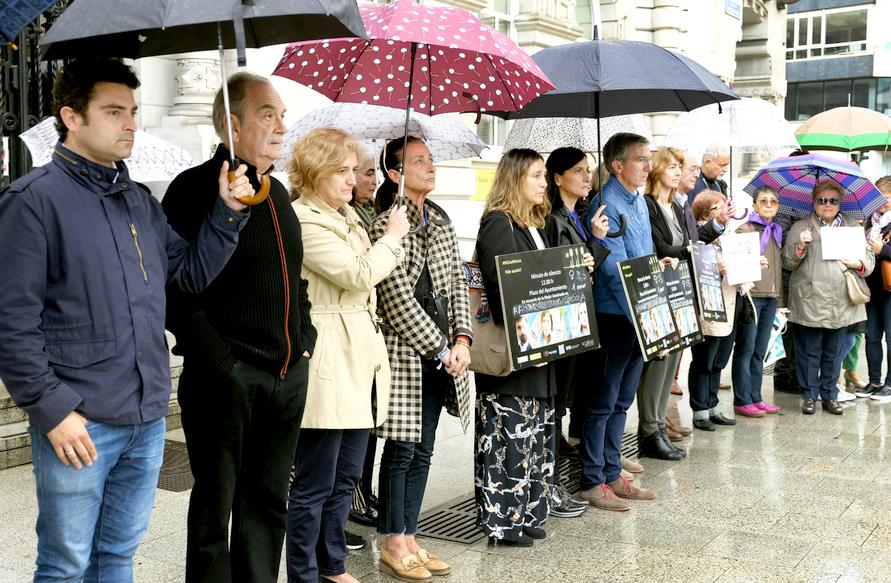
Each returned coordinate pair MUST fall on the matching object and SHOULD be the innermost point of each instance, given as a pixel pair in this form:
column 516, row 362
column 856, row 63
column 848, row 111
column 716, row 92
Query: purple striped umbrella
column 794, row 178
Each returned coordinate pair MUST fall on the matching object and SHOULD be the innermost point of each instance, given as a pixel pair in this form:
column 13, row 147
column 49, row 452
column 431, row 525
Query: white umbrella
column 748, row 125
column 447, row 137
column 546, row 134
column 152, row 159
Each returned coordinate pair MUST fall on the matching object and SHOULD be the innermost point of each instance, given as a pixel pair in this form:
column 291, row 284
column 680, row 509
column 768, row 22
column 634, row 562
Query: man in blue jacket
column 628, row 158
column 87, row 254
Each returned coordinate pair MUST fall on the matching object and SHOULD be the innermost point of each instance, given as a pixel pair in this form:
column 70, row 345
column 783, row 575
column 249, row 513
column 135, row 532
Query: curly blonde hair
column 318, row 155
column 508, row 193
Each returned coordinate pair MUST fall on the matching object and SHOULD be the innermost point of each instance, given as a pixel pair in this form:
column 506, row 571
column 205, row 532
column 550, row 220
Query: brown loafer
column 677, row 428
column 625, row 489
column 434, row 564
column 673, row 435
column 676, row 389
column 627, row 475
column 409, row 568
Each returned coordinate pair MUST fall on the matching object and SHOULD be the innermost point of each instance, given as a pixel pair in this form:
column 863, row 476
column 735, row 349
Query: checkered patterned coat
column 410, row 334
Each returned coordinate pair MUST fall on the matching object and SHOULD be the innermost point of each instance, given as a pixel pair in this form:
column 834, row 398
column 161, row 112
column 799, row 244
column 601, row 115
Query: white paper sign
column 843, row 243
column 742, row 254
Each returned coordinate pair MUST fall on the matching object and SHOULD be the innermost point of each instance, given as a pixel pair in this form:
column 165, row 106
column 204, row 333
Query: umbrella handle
column 257, row 198
column 623, row 224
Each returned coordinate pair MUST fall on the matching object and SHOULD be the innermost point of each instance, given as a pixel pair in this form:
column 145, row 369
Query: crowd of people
column 334, row 313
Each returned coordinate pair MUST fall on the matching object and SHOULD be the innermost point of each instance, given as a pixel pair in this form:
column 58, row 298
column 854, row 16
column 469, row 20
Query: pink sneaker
column 770, row 409
column 749, row 410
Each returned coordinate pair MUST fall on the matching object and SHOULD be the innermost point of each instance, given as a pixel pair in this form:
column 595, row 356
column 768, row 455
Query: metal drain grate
column 176, row 474
column 455, row 520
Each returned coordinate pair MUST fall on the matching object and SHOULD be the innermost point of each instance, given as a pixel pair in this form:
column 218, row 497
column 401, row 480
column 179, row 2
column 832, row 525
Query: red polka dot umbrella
column 442, row 58
column 433, row 59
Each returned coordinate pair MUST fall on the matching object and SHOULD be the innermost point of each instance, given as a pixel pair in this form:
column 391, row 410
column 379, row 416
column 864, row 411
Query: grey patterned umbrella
column 548, row 134
column 447, row 137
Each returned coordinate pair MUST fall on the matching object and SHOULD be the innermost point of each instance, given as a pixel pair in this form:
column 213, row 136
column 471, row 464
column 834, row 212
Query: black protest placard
column 647, row 297
column 548, row 305
column 682, row 299
column 708, row 283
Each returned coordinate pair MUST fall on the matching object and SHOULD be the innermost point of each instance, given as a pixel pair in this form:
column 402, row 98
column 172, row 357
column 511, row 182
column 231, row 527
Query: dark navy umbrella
column 15, row 15
column 139, row 28
column 602, row 78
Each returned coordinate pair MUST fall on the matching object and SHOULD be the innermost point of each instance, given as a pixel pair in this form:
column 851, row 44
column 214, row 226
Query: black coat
column 499, row 235
column 560, row 230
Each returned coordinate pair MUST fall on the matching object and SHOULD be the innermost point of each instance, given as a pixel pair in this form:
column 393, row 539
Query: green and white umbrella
column 846, row 129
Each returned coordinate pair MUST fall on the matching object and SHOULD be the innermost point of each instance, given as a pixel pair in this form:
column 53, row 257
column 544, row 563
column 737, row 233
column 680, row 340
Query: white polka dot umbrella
column 433, row 59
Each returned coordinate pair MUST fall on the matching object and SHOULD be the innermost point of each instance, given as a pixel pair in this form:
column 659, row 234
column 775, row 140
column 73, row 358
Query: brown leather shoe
column 673, row 435
column 434, row 564
column 724, row 386
column 676, row 389
column 631, row 466
column 627, row 475
column 410, row 568
column 673, row 421
column 603, row 497
column 625, row 489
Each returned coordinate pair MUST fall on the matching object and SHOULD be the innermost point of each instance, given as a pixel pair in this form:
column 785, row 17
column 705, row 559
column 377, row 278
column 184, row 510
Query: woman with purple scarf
column 752, row 338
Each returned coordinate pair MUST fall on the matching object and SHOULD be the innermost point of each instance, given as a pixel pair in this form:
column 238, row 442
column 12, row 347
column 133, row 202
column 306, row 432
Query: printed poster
column 742, row 254
column 548, row 305
column 647, row 297
column 708, row 283
column 682, row 299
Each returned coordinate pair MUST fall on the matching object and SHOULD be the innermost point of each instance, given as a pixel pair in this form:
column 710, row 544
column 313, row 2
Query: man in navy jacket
column 87, row 254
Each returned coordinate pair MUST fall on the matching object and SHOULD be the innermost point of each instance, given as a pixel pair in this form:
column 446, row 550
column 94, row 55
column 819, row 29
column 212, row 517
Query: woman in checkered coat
column 426, row 324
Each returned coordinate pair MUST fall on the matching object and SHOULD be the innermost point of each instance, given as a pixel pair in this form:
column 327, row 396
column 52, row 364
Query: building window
column 806, row 99
column 499, row 14
column 826, row 34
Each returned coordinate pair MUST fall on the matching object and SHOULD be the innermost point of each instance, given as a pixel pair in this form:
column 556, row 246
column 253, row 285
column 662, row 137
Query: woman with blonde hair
column 349, row 372
column 515, row 438
column 670, row 239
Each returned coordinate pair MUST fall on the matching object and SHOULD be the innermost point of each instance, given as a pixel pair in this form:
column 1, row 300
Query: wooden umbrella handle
column 257, row 198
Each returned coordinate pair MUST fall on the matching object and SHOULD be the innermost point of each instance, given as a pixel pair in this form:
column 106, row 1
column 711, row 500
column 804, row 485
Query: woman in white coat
column 349, row 372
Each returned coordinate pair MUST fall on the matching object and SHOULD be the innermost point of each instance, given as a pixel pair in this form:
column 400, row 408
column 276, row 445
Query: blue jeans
column 91, row 520
column 878, row 326
column 818, row 356
column 327, row 467
column 607, row 406
column 405, row 464
column 748, row 354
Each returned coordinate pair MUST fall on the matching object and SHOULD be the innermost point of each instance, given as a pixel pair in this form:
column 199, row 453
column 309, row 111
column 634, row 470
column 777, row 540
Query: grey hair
column 616, row 148
column 238, row 84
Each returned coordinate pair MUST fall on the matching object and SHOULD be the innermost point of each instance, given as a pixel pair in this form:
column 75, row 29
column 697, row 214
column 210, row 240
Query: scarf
column 838, row 221
column 771, row 229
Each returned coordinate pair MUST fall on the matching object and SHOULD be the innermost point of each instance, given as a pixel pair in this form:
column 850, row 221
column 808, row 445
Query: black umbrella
column 141, row 28
column 602, row 78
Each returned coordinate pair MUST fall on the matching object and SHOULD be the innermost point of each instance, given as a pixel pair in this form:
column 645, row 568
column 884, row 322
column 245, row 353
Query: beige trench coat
column 342, row 269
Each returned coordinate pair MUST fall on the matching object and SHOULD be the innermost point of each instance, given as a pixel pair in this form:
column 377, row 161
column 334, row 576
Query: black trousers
column 241, row 432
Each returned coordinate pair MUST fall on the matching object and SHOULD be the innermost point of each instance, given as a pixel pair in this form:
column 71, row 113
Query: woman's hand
column 804, row 239
column 855, row 265
column 876, row 245
column 764, row 263
column 588, row 262
column 600, row 223
column 669, row 262
column 458, row 360
column 397, row 224
column 722, row 266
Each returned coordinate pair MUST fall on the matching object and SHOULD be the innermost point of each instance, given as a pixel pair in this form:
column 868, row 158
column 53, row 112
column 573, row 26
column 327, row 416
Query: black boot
column 667, row 440
column 653, row 446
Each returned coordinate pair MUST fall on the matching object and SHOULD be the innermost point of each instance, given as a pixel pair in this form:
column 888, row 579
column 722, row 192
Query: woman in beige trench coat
column 349, row 373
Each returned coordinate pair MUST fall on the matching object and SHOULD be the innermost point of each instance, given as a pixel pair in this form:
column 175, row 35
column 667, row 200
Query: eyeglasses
column 824, row 201
column 768, row 201
column 641, row 159
column 716, row 208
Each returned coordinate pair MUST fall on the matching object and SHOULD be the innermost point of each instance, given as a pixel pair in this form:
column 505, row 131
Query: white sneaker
column 844, row 395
